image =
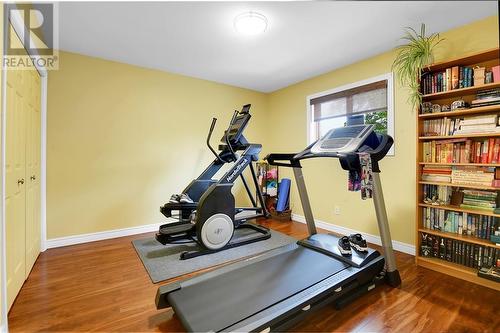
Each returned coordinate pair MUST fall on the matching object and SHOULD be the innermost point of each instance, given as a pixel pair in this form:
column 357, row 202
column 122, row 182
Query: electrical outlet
column 336, row 210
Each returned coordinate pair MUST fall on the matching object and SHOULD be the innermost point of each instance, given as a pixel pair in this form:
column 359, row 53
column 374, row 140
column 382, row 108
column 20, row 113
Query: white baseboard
column 398, row 246
column 97, row 236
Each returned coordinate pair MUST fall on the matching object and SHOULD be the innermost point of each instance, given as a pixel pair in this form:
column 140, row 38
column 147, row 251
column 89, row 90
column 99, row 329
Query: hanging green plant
column 412, row 58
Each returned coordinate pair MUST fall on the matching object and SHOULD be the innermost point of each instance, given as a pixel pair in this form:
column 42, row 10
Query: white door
column 33, row 172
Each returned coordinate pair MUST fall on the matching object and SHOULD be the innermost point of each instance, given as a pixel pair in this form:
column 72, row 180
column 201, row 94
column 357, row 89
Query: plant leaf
column 412, row 57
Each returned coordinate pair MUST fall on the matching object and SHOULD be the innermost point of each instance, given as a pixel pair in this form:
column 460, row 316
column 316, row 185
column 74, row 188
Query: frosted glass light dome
column 250, row 23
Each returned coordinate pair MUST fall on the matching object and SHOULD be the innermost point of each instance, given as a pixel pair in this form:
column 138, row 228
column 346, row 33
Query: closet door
column 32, row 171
column 15, row 182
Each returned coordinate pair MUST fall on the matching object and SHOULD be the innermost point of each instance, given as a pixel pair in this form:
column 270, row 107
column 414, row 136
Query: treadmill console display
column 342, row 140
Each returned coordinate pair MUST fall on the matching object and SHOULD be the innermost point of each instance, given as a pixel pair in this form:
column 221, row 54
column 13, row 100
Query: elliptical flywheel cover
column 217, row 231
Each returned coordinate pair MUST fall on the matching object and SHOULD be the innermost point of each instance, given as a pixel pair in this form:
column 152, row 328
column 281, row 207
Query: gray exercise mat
column 162, row 261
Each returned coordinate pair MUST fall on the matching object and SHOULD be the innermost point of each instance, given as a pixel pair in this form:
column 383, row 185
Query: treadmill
column 277, row 289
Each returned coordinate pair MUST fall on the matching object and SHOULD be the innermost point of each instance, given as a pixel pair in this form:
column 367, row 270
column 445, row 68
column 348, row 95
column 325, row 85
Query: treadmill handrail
column 273, row 159
column 384, row 144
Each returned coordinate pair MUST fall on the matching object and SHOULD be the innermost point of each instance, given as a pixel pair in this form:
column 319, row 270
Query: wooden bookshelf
column 477, row 187
column 468, row 60
column 462, row 112
column 455, row 270
column 460, row 136
column 469, row 239
column 491, row 165
column 460, row 92
column 487, row 59
column 462, row 210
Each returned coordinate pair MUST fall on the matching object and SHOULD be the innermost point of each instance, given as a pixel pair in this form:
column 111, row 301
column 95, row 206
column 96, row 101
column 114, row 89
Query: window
column 365, row 102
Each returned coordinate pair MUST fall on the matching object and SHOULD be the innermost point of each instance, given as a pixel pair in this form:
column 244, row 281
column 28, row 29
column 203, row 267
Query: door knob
column 20, row 181
column 33, row 177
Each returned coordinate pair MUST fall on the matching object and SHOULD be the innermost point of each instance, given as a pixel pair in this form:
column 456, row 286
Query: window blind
column 363, row 99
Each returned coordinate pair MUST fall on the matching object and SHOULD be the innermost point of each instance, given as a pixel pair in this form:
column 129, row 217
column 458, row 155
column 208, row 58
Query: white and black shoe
column 344, row 246
column 174, row 198
column 185, row 198
column 358, row 242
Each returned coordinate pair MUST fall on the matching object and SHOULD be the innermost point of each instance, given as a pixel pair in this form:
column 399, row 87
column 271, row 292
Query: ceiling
column 303, row 39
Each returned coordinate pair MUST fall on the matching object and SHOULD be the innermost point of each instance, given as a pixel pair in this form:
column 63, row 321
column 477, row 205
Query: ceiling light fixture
column 250, row 23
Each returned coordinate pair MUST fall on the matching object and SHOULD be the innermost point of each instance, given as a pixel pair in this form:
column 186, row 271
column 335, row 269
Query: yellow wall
column 326, row 181
column 122, row 139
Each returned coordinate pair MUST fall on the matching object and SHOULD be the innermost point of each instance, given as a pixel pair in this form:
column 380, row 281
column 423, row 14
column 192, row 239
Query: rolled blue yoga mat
column 283, row 194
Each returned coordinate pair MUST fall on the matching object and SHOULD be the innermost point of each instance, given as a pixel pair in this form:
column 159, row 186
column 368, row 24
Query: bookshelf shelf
column 462, row 164
column 465, row 112
column 488, row 59
column 468, row 239
column 471, row 59
column 460, row 92
column 477, row 187
column 460, row 136
column 462, row 210
column 457, row 271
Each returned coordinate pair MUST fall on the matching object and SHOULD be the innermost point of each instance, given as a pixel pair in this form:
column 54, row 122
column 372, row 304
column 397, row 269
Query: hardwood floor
column 103, row 286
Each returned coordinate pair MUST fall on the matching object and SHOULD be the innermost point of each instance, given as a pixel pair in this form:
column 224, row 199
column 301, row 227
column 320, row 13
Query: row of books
column 452, row 78
column 481, row 200
column 465, row 198
column 457, row 126
column 472, row 175
column 459, row 252
column 486, row 97
column 462, row 151
column 474, row 225
column 460, row 175
column 437, row 194
column 436, row 173
column 482, row 123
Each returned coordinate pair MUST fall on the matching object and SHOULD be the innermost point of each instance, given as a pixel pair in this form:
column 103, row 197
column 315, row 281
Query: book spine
column 454, row 77
column 491, row 145
column 460, row 77
column 496, row 149
column 484, row 152
column 448, row 79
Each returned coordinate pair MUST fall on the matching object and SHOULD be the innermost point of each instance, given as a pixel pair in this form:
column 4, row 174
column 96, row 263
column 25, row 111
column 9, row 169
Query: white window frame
column 390, row 104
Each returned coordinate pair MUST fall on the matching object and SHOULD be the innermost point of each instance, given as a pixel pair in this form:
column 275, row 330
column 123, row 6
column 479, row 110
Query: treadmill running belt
column 224, row 300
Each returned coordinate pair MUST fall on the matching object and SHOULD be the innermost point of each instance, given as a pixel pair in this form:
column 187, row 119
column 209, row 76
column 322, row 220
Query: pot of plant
column 412, row 57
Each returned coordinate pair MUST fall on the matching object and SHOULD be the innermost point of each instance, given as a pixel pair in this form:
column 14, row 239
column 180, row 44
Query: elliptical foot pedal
column 171, row 232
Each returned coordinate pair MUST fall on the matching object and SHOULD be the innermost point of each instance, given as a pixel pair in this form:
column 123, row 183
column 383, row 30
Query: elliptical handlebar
column 210, row 131
column 212, row 126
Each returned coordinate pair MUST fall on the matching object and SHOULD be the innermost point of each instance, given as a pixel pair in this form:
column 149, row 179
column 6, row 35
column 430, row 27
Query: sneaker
column 344, row 246
column 358, row 242
column 174, row 198
column 185, row 198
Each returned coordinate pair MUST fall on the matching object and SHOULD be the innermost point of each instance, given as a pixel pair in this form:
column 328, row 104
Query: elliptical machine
column 212, row 218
